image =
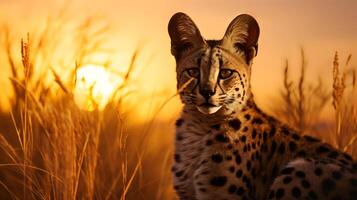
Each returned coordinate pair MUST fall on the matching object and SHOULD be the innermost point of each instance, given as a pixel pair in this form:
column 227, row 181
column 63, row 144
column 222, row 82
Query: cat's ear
column 184, row 34
column 242, row 37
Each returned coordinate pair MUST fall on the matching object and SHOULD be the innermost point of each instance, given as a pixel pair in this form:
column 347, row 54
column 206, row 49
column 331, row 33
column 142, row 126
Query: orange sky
column 320, row 26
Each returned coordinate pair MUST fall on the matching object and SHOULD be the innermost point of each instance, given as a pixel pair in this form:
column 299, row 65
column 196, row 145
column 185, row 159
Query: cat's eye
column 193, row 72
column 225, row 73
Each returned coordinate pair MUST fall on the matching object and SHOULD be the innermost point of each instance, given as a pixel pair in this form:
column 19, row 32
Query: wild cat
column 225, row 146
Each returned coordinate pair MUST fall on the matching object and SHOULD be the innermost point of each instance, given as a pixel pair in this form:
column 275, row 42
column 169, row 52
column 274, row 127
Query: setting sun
column 95, row 86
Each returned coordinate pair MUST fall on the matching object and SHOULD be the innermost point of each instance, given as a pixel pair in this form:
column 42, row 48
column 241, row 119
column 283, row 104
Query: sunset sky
column 321, row 27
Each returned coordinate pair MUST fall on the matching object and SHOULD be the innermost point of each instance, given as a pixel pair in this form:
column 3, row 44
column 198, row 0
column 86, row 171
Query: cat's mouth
column 208, row 108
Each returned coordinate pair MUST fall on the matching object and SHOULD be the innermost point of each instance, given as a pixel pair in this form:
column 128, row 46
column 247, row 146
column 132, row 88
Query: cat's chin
column 208, row 109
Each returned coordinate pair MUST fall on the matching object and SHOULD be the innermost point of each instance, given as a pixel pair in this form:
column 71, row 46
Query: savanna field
column 74, row 127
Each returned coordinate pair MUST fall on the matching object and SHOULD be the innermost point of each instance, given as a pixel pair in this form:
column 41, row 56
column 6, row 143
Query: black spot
column 249, row 165
column 179, row 173
column 247, row 116
column 232, row 189
column 240, row 191
column 327, row 185
column 336, row 175
column 295, row 136
column 300, row 174
column 205, row 172
column 285, row 130
column 235, row 152
column 273, row 147
column 305, row 184
column 257, row 155
column 279, row 193
column 218, row 181
column 239, row 173
column 311, row 139
column 179, row 122
column 265, row 136
column 243, row 138
column 287, row 179
column 232, row 169
column 296, row 192
column 177, row 158
column 301, row 153
column 275, row 171
column 287, row 170
column 236, row 89
column 318, row 171
column 254, row 133
column 272, row 131
column 245, row 129
column 216, row 126
column 271, row 194
column 246, row 181
column 203, row 190
column 333, row 154
column 354, row 167
column 238, row 159
column 235, row 124
column 348, row 157
column 209, row 142
column 217, row 158
column 222, row 138
column 292, row 146
column 179, row 137
column 264, row 147
column 281, row 148
column 253, row 145
column 228, row 157
column 312, row 195
column 257, row 121
column 212, row 43
column 245, row 148
column 322, row 149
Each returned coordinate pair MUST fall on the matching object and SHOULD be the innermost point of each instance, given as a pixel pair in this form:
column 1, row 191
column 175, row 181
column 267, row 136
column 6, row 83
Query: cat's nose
column 207, row 92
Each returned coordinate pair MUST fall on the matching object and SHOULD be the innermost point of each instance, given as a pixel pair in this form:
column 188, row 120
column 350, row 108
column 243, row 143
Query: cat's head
column 214, row 75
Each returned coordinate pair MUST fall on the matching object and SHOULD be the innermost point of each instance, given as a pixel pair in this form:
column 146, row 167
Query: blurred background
column 89, row 100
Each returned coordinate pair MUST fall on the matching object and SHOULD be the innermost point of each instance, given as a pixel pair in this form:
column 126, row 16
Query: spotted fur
column 225, row 146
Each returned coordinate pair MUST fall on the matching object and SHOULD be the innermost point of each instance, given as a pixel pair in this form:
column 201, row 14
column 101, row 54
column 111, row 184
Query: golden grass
column 51, row 149
column 303, row 104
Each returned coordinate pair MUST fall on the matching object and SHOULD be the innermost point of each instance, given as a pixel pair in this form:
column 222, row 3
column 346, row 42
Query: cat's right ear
column 184, row 34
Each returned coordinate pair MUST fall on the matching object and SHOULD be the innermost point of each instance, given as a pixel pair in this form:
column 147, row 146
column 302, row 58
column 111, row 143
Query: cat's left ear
column 242, row 37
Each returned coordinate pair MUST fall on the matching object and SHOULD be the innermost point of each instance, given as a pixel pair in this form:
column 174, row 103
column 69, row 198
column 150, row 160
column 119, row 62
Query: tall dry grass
column 302, row 104
column 51, row 149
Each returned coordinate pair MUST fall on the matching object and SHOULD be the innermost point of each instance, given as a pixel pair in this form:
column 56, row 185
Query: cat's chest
column 196, row 145
column 191, row 140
